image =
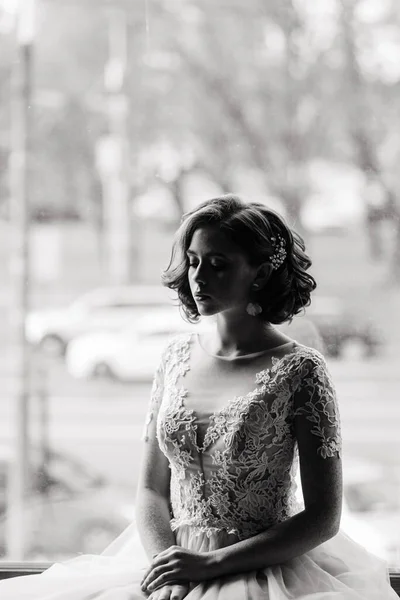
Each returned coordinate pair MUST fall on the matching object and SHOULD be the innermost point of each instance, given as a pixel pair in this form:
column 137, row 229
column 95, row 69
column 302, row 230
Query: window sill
column 9, row 569
column 14, row 569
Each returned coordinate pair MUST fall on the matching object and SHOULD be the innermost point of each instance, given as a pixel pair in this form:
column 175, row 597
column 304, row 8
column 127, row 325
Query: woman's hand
column 176, row 565
column 174, row 591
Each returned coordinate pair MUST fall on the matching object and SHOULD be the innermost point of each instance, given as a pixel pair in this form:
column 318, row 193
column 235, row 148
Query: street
column 101, row 422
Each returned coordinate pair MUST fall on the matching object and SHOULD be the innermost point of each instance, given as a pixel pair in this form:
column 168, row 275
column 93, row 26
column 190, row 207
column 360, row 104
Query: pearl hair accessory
column 279, row 255
column 277, row 259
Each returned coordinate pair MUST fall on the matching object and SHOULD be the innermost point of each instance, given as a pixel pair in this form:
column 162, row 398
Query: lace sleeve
column 156, row 395
column 316, row 409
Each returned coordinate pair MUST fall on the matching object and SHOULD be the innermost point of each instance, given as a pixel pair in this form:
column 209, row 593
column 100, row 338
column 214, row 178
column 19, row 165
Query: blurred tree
column 366, row 96
column 219, row 88
column 65, row 183
column 238, row 117
column 6, row 54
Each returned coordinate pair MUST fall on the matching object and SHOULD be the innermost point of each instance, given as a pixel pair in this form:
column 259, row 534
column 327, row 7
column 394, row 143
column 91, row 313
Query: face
column 220, row 276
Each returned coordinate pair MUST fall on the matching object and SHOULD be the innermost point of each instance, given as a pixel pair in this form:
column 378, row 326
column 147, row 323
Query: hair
column 250, row 226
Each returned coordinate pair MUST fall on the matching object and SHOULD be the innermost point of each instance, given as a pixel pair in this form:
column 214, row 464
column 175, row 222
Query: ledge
column 9, row 569
column 395, row 581
column 16, row 569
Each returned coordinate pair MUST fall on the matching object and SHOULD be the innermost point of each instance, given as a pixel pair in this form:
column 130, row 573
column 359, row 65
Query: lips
column 201, row 297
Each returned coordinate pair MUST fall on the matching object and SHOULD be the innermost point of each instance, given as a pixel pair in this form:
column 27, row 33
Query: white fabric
column 233, row 461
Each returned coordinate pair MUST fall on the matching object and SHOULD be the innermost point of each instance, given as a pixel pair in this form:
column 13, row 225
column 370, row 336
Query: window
column 133, row 126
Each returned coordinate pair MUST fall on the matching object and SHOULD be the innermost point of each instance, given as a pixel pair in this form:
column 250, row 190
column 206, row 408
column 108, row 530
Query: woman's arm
column 152, row 499
column 317, row 430
column 152, row 504
column 317, row 523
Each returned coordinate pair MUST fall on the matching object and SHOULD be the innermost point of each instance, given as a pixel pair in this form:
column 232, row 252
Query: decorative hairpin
column 279, row 252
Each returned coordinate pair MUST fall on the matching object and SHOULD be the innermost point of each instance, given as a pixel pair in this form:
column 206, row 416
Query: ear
column 263, row 274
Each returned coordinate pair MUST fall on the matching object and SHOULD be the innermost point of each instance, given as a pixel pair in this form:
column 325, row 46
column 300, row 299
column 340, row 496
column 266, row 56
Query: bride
column 234, row 411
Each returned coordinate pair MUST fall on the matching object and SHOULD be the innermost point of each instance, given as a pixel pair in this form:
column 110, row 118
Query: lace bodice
column 241, row 477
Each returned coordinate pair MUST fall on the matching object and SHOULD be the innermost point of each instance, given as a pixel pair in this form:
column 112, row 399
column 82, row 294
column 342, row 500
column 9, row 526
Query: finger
column 166, row 553
column 145, row 576
column 154, row 573
column 146, row 571
column 163, row 579
column 154, row 564
column 157, row 572
column 179, row 592
column 164, row 593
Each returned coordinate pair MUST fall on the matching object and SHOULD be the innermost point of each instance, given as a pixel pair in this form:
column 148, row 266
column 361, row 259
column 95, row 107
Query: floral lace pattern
column 241, row 479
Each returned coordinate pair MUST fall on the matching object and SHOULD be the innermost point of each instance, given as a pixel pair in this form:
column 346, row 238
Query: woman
column 233, row 411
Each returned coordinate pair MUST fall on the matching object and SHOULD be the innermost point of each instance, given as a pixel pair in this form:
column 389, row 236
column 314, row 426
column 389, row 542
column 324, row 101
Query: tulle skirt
column 339, row 569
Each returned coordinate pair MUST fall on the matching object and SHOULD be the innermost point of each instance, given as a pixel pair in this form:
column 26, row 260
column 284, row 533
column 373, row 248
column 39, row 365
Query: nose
column 198, row 276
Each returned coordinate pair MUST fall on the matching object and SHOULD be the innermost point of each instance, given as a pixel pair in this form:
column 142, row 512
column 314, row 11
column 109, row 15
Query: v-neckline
column 214, row 417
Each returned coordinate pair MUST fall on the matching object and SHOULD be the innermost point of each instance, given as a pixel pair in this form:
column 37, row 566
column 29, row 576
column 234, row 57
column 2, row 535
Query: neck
column 242, row 331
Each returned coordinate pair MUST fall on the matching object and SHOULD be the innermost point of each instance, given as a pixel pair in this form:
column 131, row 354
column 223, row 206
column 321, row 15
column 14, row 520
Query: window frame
column 16, row 569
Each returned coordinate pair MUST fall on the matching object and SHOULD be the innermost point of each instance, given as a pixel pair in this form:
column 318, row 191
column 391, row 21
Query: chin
column 207, row 310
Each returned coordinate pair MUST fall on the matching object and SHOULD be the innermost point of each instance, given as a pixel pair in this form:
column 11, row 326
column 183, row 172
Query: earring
column 253, row 309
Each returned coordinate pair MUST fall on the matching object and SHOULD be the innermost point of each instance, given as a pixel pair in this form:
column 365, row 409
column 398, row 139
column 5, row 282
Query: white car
column 130, row 354
column 98, row 310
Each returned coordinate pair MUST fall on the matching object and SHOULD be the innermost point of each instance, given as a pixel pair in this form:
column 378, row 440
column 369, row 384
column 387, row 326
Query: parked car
column 130, row 354
column 343, row 334
column 100, row 309
column 133, row 352
column 70, row 508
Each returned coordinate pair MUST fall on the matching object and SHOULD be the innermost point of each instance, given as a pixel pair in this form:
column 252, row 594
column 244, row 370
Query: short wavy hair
column 250, row 226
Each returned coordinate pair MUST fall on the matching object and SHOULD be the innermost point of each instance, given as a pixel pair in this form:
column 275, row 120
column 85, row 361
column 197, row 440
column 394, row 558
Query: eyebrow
column 192, row 253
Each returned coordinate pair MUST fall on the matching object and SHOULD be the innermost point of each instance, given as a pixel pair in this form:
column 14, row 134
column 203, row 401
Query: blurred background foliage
column 215, row 89
column 290, row 103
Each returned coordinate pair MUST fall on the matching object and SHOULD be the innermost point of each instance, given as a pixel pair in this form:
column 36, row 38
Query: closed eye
column 216, row 265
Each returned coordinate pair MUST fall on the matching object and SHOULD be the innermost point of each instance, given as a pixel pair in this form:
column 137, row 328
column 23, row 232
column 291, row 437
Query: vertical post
column 294, row 169
column 41, row 392
column 21, row 108
column 116, row 183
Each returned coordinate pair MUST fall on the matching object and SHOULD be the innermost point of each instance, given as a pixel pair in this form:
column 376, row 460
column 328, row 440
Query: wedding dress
column 233, row 475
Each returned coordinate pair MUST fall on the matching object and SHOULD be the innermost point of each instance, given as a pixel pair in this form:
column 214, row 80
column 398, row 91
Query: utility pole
column 113, row 153
column 21, row 118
